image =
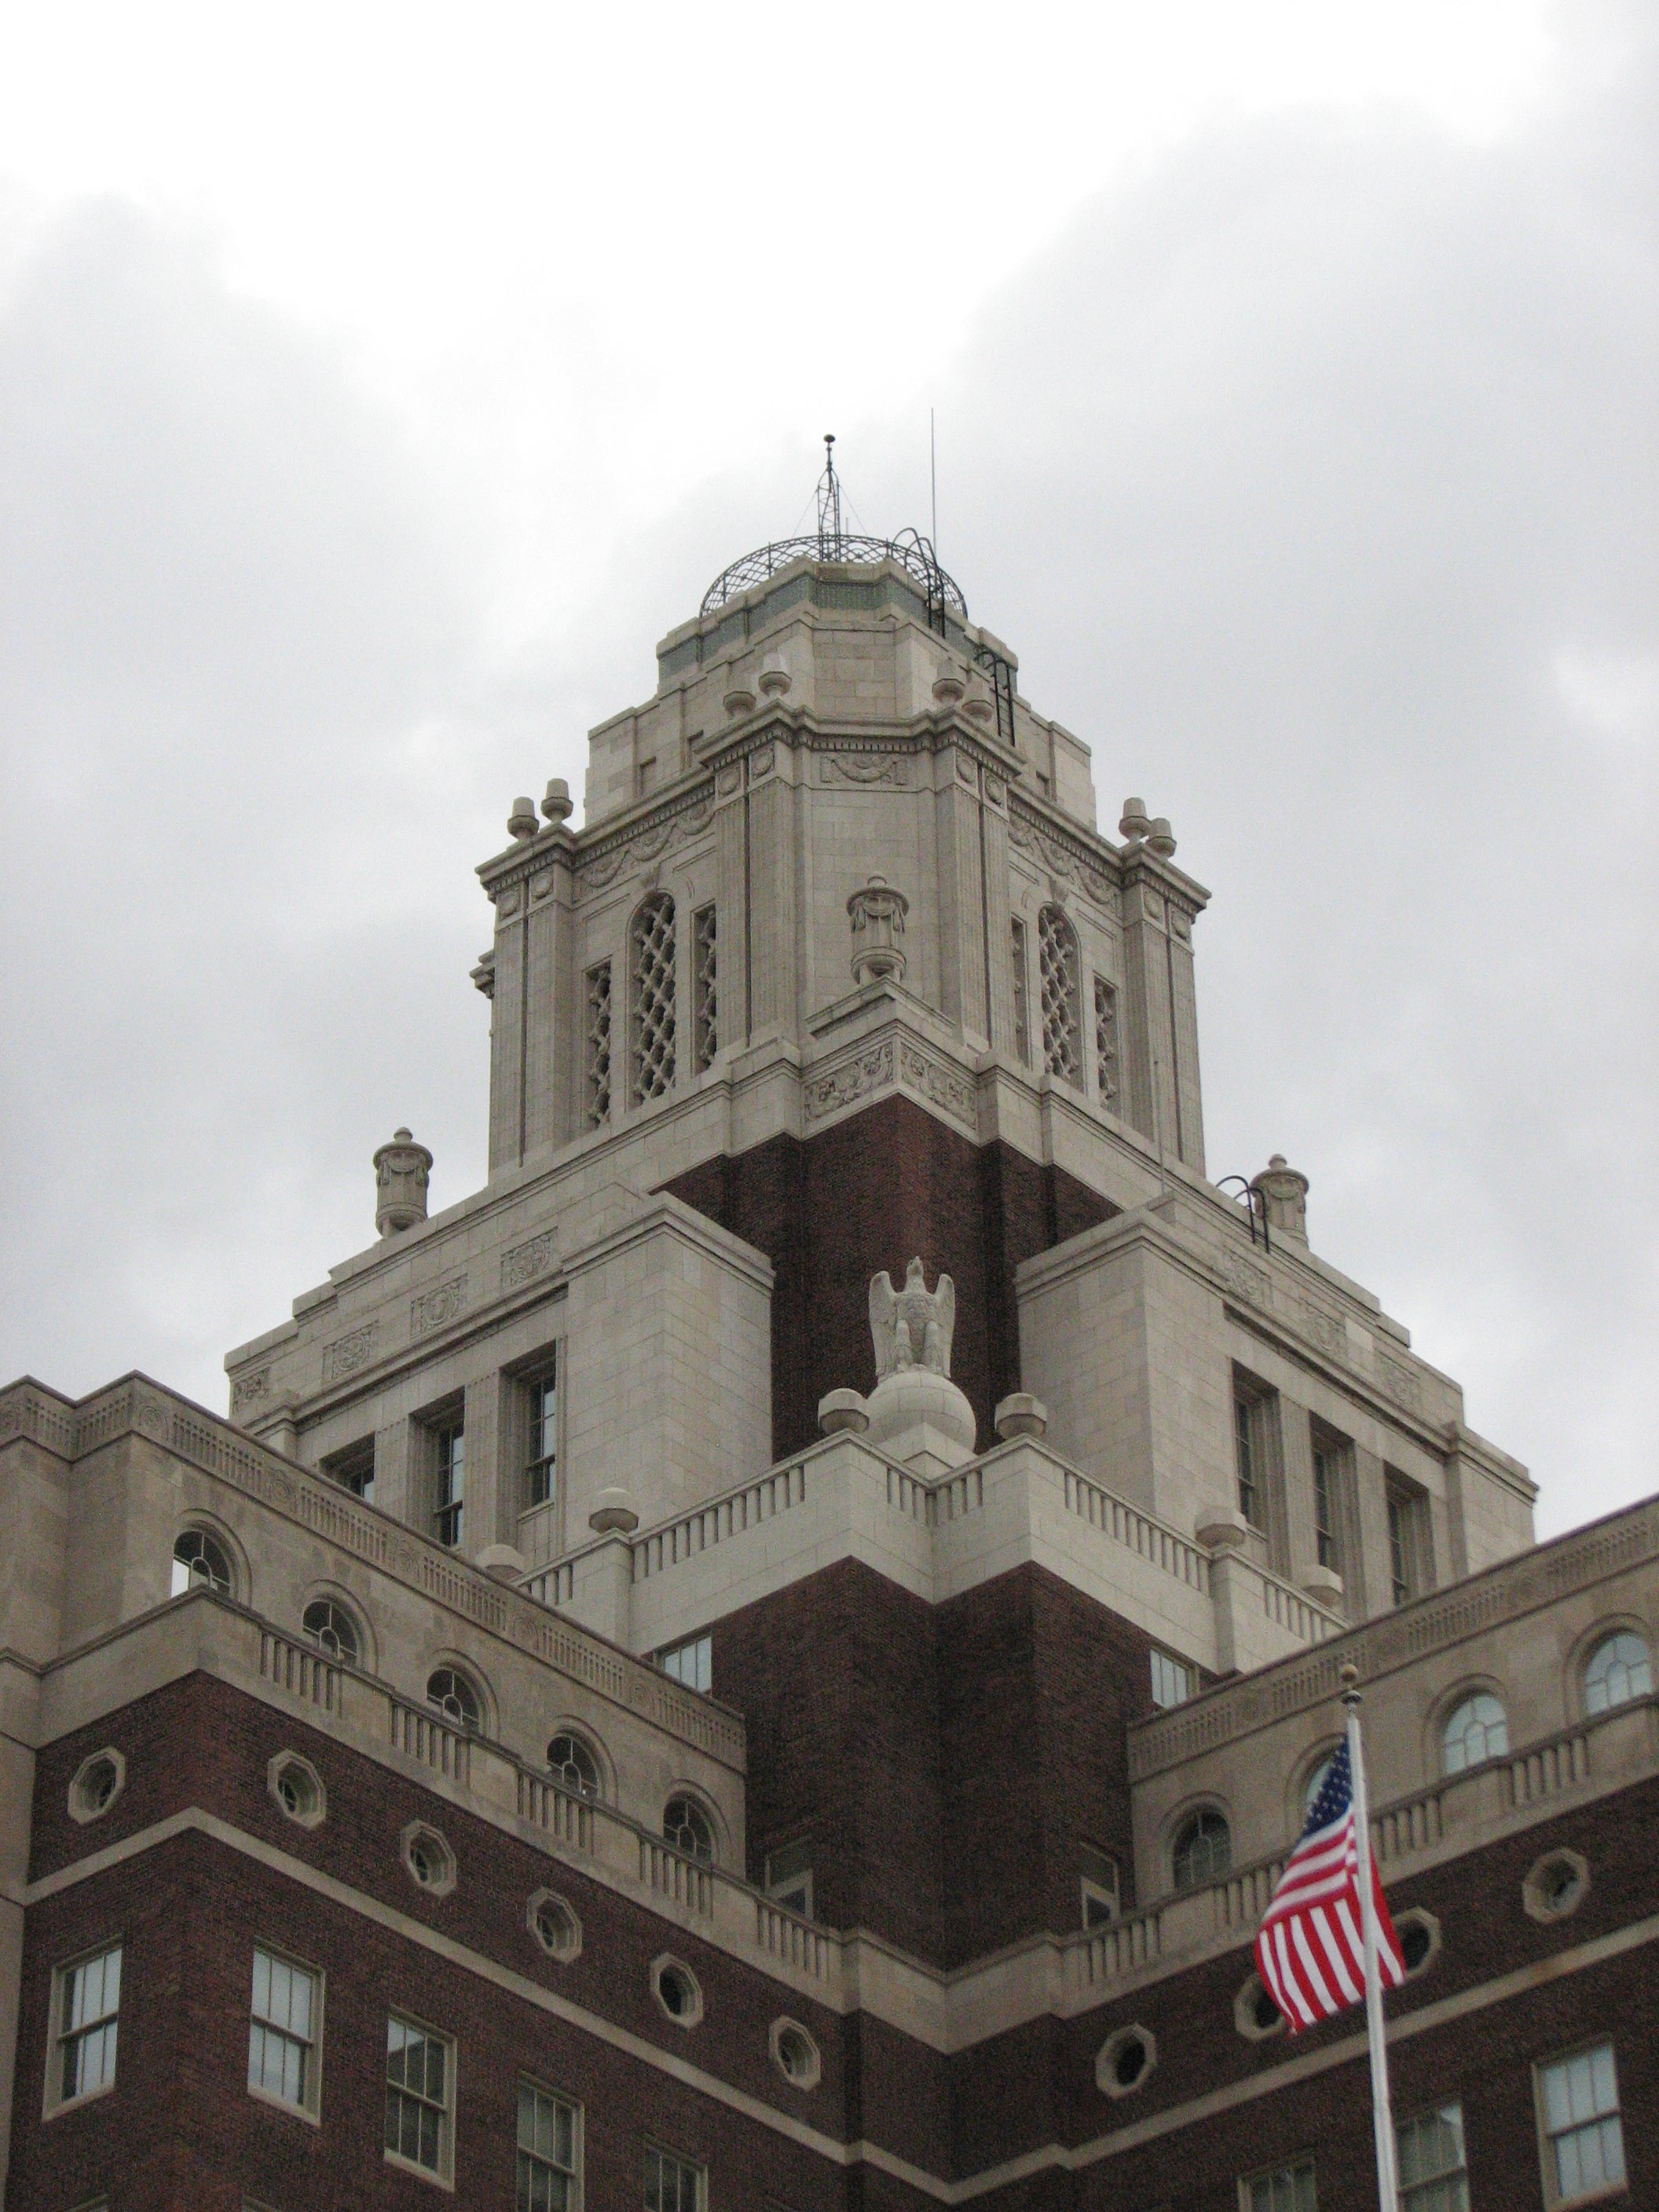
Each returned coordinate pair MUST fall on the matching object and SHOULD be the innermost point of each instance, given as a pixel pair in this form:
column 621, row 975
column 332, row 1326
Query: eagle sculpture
column 912, row 1328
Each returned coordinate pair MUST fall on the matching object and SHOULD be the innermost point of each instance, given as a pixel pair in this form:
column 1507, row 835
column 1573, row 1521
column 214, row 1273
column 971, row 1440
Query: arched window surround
column 332, row 1593
column 605, row 1790
column 710, row 1812
column 204, row 1525
column 451, row 1663
column 1588, row 1649
column 1471, row 1750
column 1182, row 1842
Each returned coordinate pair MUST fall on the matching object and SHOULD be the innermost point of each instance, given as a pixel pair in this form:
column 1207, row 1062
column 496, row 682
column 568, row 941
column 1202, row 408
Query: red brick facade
column 890, row 1184
column 181, row 2129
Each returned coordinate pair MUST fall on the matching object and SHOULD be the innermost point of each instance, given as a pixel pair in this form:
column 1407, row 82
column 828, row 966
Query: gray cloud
column 1311, row 475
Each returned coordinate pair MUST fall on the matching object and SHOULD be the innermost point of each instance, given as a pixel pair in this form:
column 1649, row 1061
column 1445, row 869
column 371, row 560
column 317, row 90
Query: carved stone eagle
column 912, row 1328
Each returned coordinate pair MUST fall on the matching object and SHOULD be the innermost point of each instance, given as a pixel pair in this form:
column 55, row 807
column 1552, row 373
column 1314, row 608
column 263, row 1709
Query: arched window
column 1203, row 1850
column 650, row 999
column 200, row 1563
column 573, row 1764
column 685, row 1824
column 1619, row 1670
column 328, row 1624
column 1057, row 977
column 1475, row 1732
column 448, row 1689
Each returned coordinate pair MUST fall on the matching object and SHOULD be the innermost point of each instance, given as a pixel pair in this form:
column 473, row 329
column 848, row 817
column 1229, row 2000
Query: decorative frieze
column 940, row 1083
column 869, row 1070
column 250, row 1391
column 346, row 1354
column 865, row 769
column 527, row 1261
column 436, row 1308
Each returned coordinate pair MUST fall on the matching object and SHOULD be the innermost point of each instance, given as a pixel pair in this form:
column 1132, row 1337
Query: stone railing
column 1150, row 1539
column 777, row 1492
column 139, row 1407
column 1508, row 1591
column 300, row 1669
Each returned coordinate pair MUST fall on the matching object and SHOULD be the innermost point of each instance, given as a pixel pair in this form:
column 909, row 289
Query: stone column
column 961, row 896
column 731, row 921
column 772, row 933
column 506, row 1031
column 1148, row 1039
column 994, row 881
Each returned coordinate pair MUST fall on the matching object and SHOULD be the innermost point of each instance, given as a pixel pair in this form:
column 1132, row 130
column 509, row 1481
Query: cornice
column 1508, row 1591
column 139, row 1407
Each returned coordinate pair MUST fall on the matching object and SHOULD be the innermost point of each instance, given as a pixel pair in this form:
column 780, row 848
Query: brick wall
column 831, row 1210
column 180, row 2131
column 946, row 1762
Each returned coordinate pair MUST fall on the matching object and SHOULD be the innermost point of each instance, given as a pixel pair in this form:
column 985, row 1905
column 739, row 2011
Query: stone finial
column 774, row 678
column 555, row 801
column 521, row 822
column 401, row 1170
column 1284, row 1198
column 738, row 702
column 877, row 914
column 1159, row 841
column 840, row 1410
column 980, row 702
column 614, row 1509
column 912, row 1328
column 1135, row 825
column 1020, row 1414
column 949, row 685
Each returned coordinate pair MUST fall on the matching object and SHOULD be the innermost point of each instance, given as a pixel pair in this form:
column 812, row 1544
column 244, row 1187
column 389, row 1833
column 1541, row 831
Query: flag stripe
column 1310, row 1949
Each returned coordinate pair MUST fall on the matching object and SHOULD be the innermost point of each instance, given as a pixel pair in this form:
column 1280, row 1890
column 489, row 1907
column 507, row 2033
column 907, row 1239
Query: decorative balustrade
column 567, row 1818
column 431, row 1742
column 1546, row 1769
column 1108, row 1953
column 688, row 1882
column 1307, row 1623
column 705, row 1526
column 1164, row 1548
column 303, row 1671
column 798, row 1942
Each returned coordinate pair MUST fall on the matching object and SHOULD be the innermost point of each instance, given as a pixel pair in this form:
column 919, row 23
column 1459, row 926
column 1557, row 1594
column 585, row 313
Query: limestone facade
column 848, row 1411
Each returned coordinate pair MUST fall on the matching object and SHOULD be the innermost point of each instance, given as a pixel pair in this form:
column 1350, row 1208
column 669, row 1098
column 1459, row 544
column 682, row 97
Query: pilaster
column 958, row 869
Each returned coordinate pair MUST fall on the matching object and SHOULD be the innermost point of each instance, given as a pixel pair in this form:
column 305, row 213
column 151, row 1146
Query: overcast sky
column 377, row 385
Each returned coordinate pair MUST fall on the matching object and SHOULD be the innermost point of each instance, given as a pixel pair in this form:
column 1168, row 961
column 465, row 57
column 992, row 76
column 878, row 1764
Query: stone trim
column 1461, row 2005
column 1503, row 1592
column 214, row 1447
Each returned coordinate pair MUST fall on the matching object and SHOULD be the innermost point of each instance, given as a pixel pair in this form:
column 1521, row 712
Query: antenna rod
column 933, row 473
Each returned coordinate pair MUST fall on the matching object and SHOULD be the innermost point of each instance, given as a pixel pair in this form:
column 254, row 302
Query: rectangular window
column 691, row 1664
column 353, row 1470
column 85, row 2004
column 452, row 1484
column 1411, row 1559
column 1432, row 2174
column 1285, row 2189
column 547, row 2152
column 1329, row 1459
column 1251, row 1503
column 541, row 1470
column 420, row 2089
column 789, row 1877
column 284, row 2032
column 1172, row 1681
column 705, row 994
column 1105, row 1041
column 1021, row 1009
column 1099, row 1886
column 597, row 1047
column 1583, row 2136
column 672, row 2184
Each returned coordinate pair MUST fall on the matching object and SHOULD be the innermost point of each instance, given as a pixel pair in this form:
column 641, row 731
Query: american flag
column 1310, row 1951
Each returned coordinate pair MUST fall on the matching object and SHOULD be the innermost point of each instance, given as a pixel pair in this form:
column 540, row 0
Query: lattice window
column 598, row 1045
column 1057, row 973
column 1021, row 1008
column 1105, row 1040
column 650, row 999
column 706, row 1036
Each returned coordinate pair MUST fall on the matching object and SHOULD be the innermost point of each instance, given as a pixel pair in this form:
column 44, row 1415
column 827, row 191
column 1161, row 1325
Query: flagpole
column 1388, row 2190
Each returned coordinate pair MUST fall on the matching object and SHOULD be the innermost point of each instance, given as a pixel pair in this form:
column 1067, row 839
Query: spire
column 829, row 504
